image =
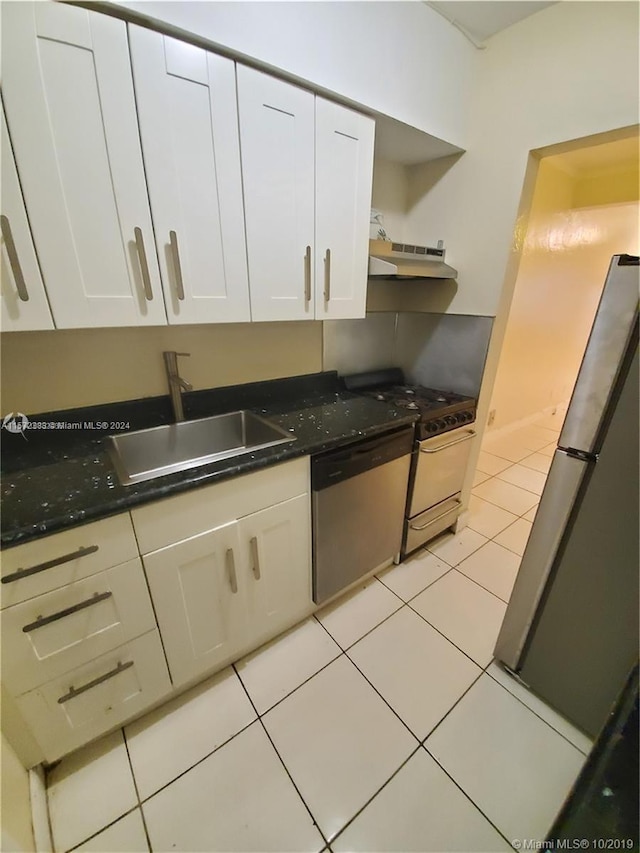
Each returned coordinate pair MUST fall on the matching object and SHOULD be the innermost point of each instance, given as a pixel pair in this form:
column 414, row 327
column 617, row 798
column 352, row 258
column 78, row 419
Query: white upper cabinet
column 344, row 171
column 307, row 169
column 188, row 118
column 277, row 141
column 70, row 106
column 24, row 303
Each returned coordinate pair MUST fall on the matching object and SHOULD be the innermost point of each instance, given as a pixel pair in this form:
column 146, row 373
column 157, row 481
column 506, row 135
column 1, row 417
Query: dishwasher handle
column 336, row 466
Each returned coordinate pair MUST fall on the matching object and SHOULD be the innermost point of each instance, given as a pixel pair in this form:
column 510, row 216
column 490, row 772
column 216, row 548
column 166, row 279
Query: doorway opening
column 585, row 208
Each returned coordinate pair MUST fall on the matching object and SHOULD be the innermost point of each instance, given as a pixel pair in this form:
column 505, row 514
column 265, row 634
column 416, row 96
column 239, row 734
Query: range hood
column 406, row 261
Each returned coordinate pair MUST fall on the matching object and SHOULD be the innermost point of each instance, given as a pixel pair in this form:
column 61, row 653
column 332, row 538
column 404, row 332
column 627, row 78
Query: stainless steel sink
column 150, row 453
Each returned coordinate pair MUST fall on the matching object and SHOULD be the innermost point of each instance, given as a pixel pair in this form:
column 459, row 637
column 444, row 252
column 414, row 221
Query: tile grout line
column 135, row 787
column 521, row 515
column 535, row 713
column 291, row 692
column 477, row 583
column 448, row 639
column 106, row 826
column 325, row 840
column 473, row 802
column 458, row 700
column 373, row 796
column 354, row 664
column 196, row 763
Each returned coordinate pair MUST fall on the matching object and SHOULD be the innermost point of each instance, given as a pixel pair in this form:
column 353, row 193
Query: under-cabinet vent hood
column 404, row 261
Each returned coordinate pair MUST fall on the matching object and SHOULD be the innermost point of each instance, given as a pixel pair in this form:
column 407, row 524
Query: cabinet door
column 24, row 303
column 277, row 543
column 71, row 112
column 344, row 170
column 199, row 601
column 188, row 118
column 277, row 141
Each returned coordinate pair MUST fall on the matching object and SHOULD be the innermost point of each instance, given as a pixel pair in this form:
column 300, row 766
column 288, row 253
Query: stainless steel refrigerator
column 570, row 631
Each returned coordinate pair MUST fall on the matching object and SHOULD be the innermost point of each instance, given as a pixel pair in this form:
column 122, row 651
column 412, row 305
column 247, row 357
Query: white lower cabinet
column 223, row 592
column 200, row 610
column 51, row 634
column 80, row 705
column 86, row 648
column 278, row 568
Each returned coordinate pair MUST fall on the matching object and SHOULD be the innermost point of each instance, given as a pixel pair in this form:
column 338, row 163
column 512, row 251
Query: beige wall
column 567, row 72
column 566, row 254
column 42, row 371
column 17, row 832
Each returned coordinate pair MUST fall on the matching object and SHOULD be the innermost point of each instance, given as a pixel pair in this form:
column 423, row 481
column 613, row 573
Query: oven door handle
column 437, row 518
column 471, row 434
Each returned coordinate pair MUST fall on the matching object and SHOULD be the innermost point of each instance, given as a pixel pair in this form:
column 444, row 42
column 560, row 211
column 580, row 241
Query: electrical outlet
column 492, row 417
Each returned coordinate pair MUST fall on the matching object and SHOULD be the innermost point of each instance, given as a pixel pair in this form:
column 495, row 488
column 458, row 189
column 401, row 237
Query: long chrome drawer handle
column 41, row 567
column 307, row 274
column 437, row 518
column 233, row 580
column 256, row 556
column 470, row 434
column 41, row 621
column 76, row 691
column 173, row 241
column 144, row 266
column 14, row 260
column 327, row 275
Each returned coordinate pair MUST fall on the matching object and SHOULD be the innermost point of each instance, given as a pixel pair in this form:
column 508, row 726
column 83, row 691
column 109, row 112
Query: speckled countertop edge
column 78, row 483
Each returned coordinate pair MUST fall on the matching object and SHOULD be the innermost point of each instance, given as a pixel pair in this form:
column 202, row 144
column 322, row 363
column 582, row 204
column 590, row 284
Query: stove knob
column 451, row 420
column 432, row 426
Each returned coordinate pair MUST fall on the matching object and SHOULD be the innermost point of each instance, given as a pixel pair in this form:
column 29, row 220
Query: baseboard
column 506, row 430
column 40, row 810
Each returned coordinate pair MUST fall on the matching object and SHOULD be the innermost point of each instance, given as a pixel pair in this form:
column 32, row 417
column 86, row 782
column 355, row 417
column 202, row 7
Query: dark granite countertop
column 56, row 478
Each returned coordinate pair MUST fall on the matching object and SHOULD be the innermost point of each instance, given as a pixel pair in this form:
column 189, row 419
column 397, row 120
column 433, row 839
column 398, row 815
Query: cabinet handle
column 14, row 260
column 307, row 274
column 256, row 556
column 76, row 691
column 173, row 240
column 231, row 561
column 327, row 275
column 41, row 567
column 144, row 266
column 41, row 621
column 470, row 434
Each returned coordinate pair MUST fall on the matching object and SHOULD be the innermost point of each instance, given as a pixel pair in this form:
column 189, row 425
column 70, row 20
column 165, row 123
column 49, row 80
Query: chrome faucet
column 176, row 383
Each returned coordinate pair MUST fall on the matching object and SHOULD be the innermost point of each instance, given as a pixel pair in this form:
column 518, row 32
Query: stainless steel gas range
column 440, row 453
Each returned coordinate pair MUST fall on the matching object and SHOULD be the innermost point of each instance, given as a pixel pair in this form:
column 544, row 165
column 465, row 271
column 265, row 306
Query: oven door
column 440, row 468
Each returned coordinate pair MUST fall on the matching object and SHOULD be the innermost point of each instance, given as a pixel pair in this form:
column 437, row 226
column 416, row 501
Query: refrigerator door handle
column 550, row 525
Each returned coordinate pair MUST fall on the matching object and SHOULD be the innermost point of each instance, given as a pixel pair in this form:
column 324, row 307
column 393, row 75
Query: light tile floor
column 380, row 724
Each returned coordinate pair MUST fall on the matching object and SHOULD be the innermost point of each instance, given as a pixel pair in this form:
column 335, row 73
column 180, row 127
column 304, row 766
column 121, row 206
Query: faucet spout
column 175, row 382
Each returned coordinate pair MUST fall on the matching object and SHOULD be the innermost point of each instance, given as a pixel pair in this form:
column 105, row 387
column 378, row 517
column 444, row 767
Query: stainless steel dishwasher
column 358, row 501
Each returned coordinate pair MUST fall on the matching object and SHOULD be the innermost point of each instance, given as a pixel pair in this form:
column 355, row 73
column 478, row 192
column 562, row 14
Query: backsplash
column 446, row 351
column 61, row 369
column 353, row 346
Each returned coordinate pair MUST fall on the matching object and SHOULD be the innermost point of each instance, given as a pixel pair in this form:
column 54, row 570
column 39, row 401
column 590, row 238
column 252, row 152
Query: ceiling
column 620, row 154
column 481, row 19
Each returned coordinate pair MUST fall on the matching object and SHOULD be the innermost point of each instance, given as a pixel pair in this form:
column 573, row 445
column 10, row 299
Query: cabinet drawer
column 174, row 519
column 54, row 561
column 82, row 704
column 53, row 633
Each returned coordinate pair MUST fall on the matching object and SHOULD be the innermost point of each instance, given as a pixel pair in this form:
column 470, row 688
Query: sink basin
column 150, row 453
